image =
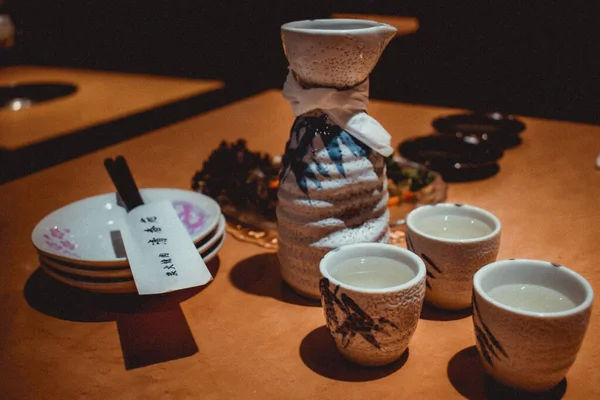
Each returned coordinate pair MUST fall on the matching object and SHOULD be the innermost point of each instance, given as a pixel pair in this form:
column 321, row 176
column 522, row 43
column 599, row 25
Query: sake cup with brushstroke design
column 530, row 318
column 372, row 295
column 454, row 241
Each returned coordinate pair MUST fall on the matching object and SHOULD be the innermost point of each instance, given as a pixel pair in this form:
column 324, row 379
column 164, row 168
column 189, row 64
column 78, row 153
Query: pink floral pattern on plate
column 191, row 215
column 56, row 240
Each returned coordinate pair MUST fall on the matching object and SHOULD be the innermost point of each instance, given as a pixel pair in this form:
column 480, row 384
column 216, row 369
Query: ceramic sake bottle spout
column 335, row 53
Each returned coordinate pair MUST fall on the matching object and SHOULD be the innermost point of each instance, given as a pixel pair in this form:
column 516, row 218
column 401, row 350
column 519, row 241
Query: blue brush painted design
column 310, row 175
column 299, row 158
column 357, row 147
column 334, row 151
column 320, row 168
column 488, row 344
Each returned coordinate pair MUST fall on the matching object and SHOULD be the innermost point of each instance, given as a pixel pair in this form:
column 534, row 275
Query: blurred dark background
column 530, row 58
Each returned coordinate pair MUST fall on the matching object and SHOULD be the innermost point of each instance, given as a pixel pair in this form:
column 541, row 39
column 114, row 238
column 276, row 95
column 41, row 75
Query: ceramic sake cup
column 452, row 254
column 519, row 345
column 338, row 53
column 372, row 325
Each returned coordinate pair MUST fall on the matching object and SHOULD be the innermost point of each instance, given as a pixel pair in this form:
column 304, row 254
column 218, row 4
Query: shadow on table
column 152, row 329
column 318, row 352
column 432, row 313
column 467, row 375
column 259, row 275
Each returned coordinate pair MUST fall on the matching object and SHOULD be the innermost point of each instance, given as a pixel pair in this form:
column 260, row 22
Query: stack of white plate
column 80, row 244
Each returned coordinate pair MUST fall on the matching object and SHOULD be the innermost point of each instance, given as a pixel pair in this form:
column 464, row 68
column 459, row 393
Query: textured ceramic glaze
column 372, row 327
column 451, row 264
column 332, row 192
column 528, row 350
column 336, row 53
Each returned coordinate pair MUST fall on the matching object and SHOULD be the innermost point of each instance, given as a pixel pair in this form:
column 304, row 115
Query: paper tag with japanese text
column 162, row 256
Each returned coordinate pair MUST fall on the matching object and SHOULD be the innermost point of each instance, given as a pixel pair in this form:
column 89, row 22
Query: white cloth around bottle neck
column 346, row 108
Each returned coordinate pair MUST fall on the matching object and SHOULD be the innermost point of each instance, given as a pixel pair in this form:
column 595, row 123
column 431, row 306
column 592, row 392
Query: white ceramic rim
column 420, row 275
column 120, row 261
column 587, row 302
column 303, row 26
column 426, row 208
column 113, row 287
column 91, row 272
column 218, row 233
column 98, row 271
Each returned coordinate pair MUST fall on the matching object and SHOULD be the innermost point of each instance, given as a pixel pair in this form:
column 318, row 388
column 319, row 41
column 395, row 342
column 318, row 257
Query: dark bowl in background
column 500, row 129
column 456, row 159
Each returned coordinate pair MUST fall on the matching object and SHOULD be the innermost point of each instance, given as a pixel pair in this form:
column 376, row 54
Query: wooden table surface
column 256, row 339
column 100, row 97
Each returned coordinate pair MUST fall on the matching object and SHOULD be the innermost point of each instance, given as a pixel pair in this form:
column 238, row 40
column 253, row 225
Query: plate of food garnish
column 245, row 183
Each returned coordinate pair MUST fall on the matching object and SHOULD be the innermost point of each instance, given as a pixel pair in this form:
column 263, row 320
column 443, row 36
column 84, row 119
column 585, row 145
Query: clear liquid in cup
column 528, row 297
column 454, row 227
column 372, row 272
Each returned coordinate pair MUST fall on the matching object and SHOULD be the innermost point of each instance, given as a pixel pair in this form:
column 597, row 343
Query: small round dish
column 83, row 232
column 496, row 128
column 111, row 284
column 125, row 271
column 456, row 159
column 121, row 272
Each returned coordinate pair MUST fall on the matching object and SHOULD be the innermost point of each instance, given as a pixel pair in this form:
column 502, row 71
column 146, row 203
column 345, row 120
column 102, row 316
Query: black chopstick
column 122, row 178
column 136, row 198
